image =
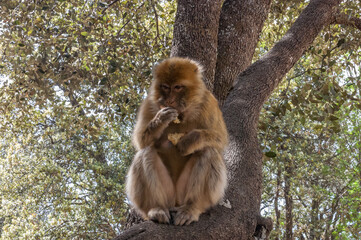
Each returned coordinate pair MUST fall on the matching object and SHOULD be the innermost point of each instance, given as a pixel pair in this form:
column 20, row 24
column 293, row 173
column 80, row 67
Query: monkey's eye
column 165, row 87
column 178, row 88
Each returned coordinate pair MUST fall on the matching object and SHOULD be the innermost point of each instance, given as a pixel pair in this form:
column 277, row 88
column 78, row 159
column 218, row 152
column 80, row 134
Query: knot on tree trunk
column 133, row 218
column 263, row 228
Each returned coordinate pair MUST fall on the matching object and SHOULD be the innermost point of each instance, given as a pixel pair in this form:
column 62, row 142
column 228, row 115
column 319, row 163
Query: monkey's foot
column 159, row 215
column 186, row 215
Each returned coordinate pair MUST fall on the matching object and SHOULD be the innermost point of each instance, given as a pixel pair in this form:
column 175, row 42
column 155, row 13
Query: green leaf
column 159, row 7
column 327, row 36
column 270, row 154
column 333, row 118
column 340, row 42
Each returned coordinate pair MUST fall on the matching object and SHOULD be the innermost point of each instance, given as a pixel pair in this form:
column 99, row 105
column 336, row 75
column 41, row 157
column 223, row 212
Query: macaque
column 180, row 136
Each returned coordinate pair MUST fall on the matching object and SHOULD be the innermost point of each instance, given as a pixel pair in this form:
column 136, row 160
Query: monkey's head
column 178, row 84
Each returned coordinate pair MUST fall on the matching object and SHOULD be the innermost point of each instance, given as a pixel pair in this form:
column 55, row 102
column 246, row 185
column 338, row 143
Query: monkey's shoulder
column 210, row 108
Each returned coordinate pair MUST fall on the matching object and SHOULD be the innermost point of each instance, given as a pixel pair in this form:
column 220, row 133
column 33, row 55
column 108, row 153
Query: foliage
column 73, row 73
column 309, row 131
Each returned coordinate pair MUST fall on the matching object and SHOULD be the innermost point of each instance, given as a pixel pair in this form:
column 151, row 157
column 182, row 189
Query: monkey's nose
column 170, row 103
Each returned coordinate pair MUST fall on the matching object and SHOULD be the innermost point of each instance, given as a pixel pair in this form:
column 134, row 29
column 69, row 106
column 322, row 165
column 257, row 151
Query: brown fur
column 191, row 176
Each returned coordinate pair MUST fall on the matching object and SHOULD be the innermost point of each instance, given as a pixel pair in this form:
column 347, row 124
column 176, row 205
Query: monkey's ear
column 198, row 67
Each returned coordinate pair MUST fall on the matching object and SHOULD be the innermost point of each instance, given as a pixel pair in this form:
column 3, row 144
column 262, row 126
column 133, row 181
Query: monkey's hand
column 166, row 115
column 159, row 215
column 186, row 215
column 198, row 139
column 157, row 125
column 189, row 143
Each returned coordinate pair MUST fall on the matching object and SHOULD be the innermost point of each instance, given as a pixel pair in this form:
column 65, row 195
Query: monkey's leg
column 200, row 185
column 149, row 186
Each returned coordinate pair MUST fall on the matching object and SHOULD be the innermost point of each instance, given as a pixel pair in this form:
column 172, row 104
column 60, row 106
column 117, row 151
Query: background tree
column 74, row 72
column 219, row 28
column 72, row 79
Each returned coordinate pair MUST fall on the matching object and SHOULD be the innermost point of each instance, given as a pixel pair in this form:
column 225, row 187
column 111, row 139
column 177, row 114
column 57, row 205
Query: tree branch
column 156, row 22
column 342, row 18
column 262, row 77
column 109, row 5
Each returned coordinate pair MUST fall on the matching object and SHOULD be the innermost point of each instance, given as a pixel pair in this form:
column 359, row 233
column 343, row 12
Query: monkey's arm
column 211, row 130
column 199, row 139
column 147, row 132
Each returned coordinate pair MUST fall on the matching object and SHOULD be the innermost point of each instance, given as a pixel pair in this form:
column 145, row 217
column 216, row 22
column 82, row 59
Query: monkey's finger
column 167, row 109
column 159, row 215
column 165, row 219
column 168, row 114
column 172, row 112
column 167, row 214
column 178, row 221
column 181, row 218
column 185, row 220
column 162, row 219
column 189, row 221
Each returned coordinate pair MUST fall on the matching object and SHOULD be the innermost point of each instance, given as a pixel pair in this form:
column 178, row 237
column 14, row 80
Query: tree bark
column 277, row 211
column 241, row 112
column 195, row 34
column 314, row 219
column 239, row 29
column 288, row 200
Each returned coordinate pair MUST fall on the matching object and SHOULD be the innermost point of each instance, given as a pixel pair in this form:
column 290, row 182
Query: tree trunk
column 277, row 195
column 359, row 161
column 288, row 199
column 241, row 108
column 195, row 34
column 314, row 219
column 239, row 29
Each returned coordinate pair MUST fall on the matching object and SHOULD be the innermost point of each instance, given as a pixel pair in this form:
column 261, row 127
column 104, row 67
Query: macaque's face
column 172, row 95
column 178, row 84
